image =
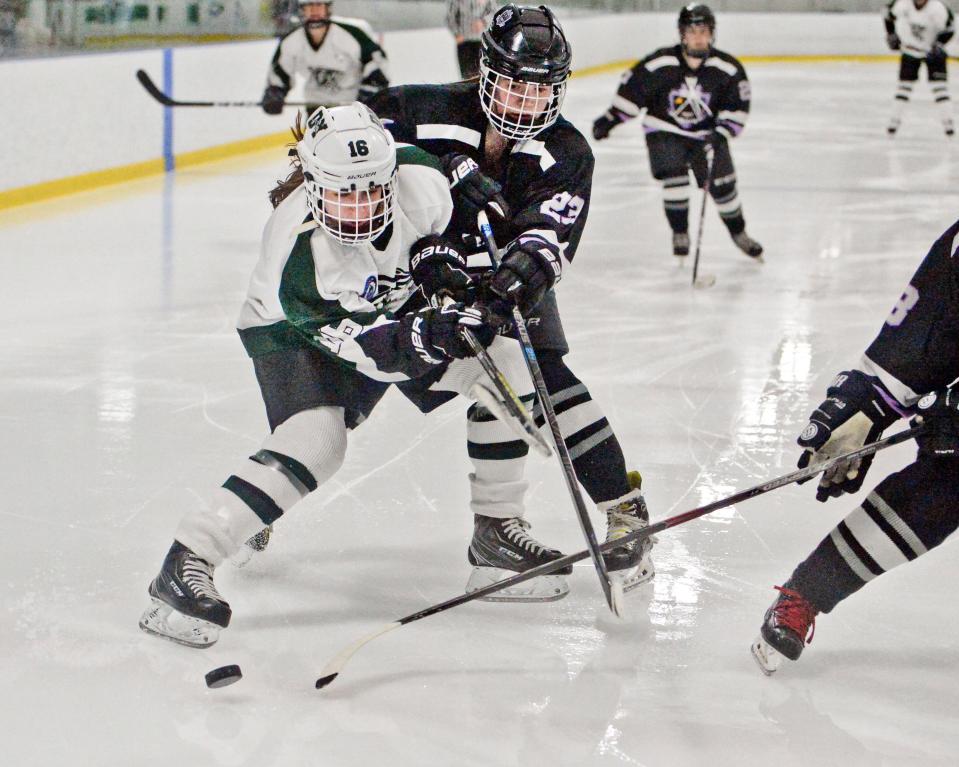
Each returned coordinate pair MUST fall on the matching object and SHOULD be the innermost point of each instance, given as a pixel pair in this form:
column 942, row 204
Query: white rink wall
column 64, row 117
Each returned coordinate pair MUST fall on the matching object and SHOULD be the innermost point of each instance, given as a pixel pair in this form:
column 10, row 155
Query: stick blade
column 704, row 281
column 323, row 681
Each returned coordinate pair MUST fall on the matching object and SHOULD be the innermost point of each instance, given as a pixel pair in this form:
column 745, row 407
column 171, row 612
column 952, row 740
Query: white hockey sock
column 303, row 452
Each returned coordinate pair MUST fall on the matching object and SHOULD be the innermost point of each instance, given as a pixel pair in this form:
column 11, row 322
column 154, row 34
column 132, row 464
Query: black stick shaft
column 710, row 159
column 550, row 415
column 164, row 99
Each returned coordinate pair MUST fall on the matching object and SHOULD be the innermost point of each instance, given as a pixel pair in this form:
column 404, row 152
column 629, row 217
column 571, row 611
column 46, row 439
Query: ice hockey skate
column 631, row 564
column 784, row 630
column 748, row 245
column 501, row 548
column 949, row 127
column 255, row 545
column 185, row 606
column 893, row 127
column 680, row 244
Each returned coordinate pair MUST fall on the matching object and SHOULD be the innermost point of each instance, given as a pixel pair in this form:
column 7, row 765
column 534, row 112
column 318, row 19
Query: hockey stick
column 707, row 280
column 508, row 407
column 160, row 96
column 613, row 590
column 333, row 669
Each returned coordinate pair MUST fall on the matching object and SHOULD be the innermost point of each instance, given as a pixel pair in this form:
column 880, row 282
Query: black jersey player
column 504, row 142
column 696, row 99
column 909, row 512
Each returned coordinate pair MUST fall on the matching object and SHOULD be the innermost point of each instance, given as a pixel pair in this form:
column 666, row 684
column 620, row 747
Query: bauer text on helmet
column 524, row 68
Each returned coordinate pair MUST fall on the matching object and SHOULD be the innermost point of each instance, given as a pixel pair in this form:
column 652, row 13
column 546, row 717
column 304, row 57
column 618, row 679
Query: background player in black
column 696, row 98
column 910, row 511
column 504, row 143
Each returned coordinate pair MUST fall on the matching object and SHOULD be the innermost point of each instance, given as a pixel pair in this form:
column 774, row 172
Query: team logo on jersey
column 369, row 289
column 689, row 104
column 325, row 78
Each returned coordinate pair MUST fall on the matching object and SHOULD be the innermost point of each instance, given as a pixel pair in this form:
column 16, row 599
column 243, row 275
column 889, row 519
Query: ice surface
column 126, row 397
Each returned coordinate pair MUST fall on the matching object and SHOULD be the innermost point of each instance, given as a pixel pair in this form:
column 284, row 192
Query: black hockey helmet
column 696, row 14
column 527, row 44
column 524, row 67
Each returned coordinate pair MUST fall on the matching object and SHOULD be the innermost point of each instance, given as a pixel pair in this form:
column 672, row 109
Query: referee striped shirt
column 460, row 15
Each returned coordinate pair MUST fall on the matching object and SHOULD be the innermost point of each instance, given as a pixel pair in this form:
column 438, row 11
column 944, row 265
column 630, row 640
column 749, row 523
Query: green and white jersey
column 345, row 66
column 309, row 289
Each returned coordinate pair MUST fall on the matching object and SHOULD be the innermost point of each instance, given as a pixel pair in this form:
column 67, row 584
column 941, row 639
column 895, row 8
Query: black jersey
column 546, row 180
column 917, row 350
column 690, row 102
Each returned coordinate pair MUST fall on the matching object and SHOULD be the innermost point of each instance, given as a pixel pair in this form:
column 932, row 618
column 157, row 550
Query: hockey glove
column 936, row 55
column 604, row 125
column 893, row 41
column 939, row 413
column 471, row 186
column 853, row 414
column 436, row 335
column 530, row 267
column 273, row 98
column 437, row 267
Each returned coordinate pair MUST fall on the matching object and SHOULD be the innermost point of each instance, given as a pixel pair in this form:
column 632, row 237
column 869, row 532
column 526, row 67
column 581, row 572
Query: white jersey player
column 350, row 295
column 920, row 29
column 338, row 59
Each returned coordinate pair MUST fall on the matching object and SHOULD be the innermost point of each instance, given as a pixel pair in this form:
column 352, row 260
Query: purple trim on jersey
column 891, row 401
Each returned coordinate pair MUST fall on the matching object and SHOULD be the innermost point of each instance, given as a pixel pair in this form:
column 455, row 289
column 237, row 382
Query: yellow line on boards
column 85, row 182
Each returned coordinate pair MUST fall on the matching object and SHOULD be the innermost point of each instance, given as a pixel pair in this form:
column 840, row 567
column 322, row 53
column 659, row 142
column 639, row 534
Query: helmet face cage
column 349, row 171
column 315, row 23
column 524, row 68
column 519, row 109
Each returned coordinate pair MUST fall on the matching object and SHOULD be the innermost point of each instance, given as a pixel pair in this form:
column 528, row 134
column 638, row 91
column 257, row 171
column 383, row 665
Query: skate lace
column 515, row 531
column 796, row 614
column 198, row 575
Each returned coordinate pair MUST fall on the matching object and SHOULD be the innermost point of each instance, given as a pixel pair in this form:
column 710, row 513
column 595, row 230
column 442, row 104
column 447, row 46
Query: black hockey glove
column 471, row 186
column 939, row 413
column 372, row 84
column 603, row 126
column 530, row 267
column 273, row 98
column 893, row 41
column 438, row 268
column 937, row 54
column 441, row 331
column 853, row 414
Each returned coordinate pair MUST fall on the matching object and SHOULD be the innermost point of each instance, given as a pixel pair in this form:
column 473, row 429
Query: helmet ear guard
column 349, row 171
column 524, row 67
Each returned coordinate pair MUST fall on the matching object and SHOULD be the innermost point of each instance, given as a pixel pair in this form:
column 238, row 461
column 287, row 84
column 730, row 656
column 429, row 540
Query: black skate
column 501, row 548
column 748, row 245
column 784, row 630
column 185, row 606
column 893, row 126
column 680, row 244
column 255, row 545
column 949, row 127
column 631, row 563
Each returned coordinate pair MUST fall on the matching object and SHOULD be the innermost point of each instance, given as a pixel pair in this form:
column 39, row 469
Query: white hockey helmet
column 349, row 170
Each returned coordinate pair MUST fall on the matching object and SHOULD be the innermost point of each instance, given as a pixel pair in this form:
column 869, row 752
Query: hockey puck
column 223, row 676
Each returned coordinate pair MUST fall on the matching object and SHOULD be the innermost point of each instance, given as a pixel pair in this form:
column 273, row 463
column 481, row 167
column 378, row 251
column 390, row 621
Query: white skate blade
column 632, row 577
column 545, row 588
column 163, row 621
column 767, row 658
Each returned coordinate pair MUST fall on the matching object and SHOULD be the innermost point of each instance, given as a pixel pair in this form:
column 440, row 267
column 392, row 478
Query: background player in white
column 911, row 511
column 696, row 99
column 339, row 60
column 920, row 29
column 344, row 301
